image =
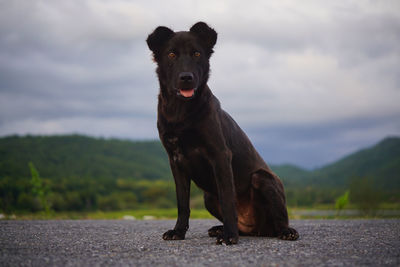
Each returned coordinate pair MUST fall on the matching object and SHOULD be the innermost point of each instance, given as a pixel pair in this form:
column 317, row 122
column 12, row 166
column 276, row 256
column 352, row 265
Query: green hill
column 81, row 156
column 85, row 173
column 292, row 175
column 381, row 163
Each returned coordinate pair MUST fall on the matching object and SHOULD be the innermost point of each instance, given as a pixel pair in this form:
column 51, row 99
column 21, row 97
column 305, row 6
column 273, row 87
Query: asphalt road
column 139, row 243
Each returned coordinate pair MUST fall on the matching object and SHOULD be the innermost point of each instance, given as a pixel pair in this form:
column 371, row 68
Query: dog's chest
column 175, row 149
column 190, row 157
column 184, row 150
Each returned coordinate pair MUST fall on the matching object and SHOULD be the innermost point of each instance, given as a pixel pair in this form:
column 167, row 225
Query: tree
column 39, row 189
column 342, row 202
column 365, row 195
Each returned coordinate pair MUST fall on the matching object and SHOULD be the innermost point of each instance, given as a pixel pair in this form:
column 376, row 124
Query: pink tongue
column 187, row 93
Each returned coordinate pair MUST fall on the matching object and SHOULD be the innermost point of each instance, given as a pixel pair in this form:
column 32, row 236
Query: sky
column 308, row 81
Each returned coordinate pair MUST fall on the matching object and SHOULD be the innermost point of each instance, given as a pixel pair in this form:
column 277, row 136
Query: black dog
column 204, row 144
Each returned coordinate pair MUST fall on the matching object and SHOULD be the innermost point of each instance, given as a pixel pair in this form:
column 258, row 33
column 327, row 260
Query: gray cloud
column 309, row 82
column 312, row 145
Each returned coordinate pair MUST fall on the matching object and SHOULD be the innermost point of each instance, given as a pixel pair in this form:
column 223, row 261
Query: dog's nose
column 186, row 76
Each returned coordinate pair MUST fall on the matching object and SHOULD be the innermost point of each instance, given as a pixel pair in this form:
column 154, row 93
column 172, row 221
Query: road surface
column 139, row 243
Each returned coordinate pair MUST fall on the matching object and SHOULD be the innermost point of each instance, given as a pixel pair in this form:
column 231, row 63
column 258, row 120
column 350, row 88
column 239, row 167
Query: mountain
column 381, row 163
column 82, row 156
column 292, row 175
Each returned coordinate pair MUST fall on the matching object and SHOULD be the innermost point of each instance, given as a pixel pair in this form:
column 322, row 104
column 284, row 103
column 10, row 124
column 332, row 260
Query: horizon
column 158, row 140
column 305, row 81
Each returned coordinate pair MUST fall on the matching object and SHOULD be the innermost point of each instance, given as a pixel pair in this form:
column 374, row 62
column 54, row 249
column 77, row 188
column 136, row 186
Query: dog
column 204, row 144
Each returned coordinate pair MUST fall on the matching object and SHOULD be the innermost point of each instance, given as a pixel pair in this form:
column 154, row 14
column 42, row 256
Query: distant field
column 323, row 212
column 108, row 215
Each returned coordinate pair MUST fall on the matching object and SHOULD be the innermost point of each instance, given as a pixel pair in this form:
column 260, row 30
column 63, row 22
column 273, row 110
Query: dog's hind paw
column 216, row 231
column 289, row 234
column 173, row 235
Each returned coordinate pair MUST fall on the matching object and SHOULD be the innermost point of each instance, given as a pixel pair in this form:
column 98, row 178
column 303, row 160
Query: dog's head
column 183, row 58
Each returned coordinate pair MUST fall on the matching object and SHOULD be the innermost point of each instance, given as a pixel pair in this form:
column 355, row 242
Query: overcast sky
column 308, row 81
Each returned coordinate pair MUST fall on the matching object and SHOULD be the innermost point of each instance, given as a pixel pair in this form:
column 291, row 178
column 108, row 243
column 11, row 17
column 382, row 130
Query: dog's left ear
column 206, row 35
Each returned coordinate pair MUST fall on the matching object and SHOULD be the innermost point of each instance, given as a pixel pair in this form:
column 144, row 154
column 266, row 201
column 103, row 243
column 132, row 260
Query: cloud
column 313, row 145
column 317, row 78
column 122, row 127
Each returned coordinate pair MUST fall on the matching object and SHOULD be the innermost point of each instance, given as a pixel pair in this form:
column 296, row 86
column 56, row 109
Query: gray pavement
column 139, row 243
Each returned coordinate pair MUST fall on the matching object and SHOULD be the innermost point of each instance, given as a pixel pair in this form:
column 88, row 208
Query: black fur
column 204, row 144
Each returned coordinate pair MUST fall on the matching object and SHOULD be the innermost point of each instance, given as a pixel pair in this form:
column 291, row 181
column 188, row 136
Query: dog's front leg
column 226, row 194
column 182, row 184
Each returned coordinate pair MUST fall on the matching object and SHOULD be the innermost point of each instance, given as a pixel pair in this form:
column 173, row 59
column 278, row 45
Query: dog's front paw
column 289, row 234
column 227, row 239
column 173, row 235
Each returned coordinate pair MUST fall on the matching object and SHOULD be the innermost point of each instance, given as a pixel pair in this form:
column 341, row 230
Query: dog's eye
column 171, row 55
column 197, row 54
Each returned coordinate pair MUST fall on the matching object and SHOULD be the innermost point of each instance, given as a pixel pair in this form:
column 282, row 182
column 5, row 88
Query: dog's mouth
column 186, row 92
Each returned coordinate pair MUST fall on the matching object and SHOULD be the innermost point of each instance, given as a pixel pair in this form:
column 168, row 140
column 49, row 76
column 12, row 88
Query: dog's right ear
column 157, row 40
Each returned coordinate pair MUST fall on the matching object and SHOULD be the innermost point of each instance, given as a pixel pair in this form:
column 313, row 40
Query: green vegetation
column 39, row 189
column 77, row 156
column 366, row 195
column 378, row 166
column 138, row 214
column 381, row 163
column 84, row 175
column 342, row 202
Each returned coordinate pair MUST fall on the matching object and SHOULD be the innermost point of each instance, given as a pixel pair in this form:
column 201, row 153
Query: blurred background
column 314, row 84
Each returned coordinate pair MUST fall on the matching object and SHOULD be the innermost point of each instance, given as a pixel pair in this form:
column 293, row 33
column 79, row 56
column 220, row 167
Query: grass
column 140, row 214
column 110, row 215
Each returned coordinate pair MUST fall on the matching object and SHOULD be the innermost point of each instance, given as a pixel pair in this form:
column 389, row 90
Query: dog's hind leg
column 270, row 204
column 212, row 205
